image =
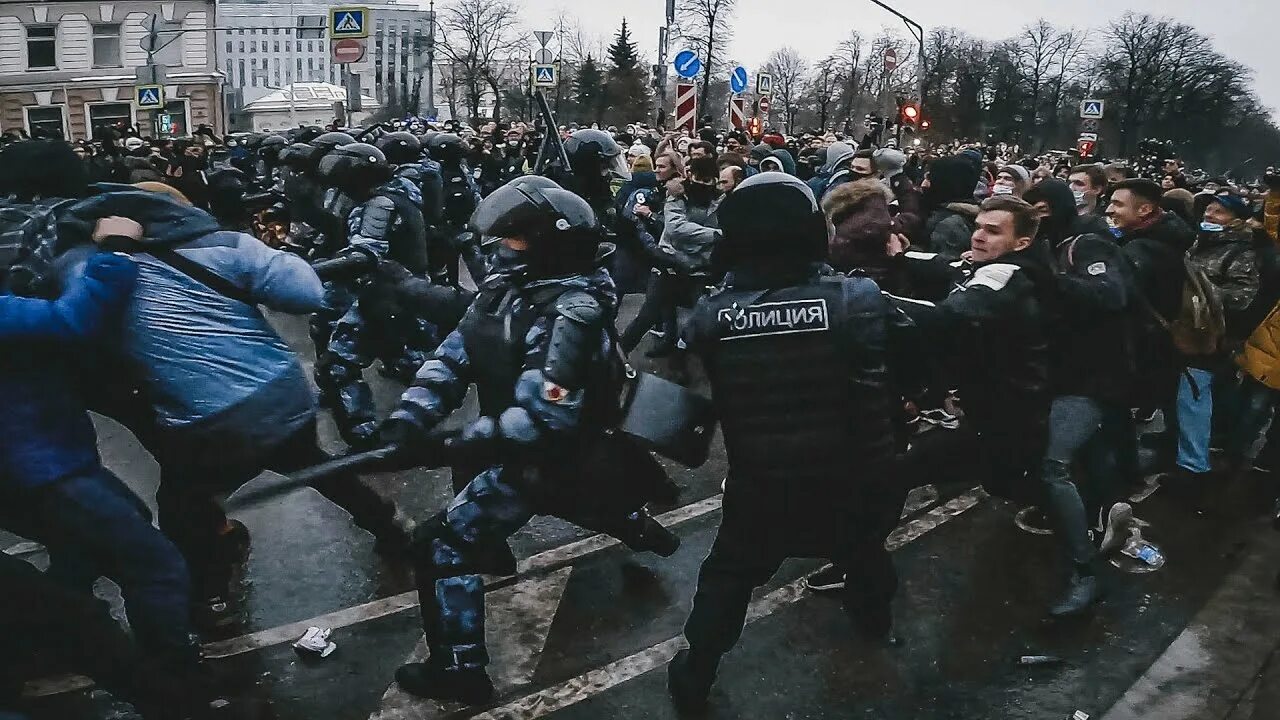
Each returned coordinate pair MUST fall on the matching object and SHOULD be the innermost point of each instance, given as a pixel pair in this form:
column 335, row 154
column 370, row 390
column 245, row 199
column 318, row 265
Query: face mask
column 700, row 194
column 1211, row 227
column 513, row 144
column 1001, row 190
column 1080, row 198
column 506, row 260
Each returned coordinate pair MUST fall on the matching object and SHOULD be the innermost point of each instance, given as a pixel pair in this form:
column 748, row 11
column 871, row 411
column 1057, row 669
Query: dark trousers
column 41, row 617
column 192, row 515
column 738, row 564
column 92, row 526
column 658, row 310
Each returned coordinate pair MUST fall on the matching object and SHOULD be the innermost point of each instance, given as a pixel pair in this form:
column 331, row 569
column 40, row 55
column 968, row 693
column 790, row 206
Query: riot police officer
column 798, row 365
column 384, row 225
column 461, row 195
column 537, row 343
column 595, row 160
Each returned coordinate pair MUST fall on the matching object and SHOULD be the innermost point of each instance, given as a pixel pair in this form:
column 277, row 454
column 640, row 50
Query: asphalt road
column 585, row 628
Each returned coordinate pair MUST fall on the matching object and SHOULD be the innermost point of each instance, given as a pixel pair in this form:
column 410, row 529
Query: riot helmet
column 595, row 153
column 400, row 147
column 425, row 138
column 271, row 146
column 772, row 220
column 531, row 182
column 559, row 229
column 355, row 168
column 446, row 148
column 331, row 140
column 300, row 156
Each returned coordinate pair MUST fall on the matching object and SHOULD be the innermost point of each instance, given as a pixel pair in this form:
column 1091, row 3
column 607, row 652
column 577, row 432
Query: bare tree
column 788, row 70
column 706, row 26
column 823, row 90
column 475, row 34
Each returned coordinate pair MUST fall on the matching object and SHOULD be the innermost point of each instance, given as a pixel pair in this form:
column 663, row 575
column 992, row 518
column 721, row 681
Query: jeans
column 94, row 526
column 1195, row 420
column 1076, row 435
column 1250, row 413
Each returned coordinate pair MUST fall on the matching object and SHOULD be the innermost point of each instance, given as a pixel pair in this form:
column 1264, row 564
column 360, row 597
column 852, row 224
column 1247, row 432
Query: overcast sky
column 1245, row 30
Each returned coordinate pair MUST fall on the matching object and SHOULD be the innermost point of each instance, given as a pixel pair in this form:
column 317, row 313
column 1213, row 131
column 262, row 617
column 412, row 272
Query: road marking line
column 594, row 682
column 547, row 560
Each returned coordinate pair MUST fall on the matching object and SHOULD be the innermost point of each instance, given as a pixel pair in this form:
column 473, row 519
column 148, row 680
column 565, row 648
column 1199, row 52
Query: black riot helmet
column 425, row 138
column 530, row 182
column 446, row 148
column 594, row 152
column 355, row 168
column 300, row 156
column 331, row 140
column 771, row 221
column 271, row 146
column 560, row 228
column 400, row 147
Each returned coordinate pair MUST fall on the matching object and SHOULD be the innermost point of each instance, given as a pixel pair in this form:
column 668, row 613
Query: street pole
column 918, row 32
column 293, row 43
column 431, row 62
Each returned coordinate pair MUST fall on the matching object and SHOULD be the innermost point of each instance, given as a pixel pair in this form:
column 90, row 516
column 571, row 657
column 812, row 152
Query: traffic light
column 924, row 124
column 656, row 81
column 908, row 112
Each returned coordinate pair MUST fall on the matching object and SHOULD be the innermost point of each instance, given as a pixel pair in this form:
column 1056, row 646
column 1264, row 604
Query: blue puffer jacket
column 45, row 433
column 211, row 365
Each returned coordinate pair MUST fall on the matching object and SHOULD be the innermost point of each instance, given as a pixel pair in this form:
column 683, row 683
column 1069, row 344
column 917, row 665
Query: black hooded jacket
column 1091, row 345
column 951, row 207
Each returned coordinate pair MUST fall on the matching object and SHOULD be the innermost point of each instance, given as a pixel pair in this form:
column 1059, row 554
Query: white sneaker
column 1119, row 523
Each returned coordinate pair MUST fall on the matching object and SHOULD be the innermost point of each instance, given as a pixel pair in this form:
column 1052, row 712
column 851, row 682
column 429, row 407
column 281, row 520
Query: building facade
column 261, row 51
column 301, row 104
column 70, row 68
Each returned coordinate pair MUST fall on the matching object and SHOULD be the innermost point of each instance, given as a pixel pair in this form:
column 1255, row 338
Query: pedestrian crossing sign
column 1092, row 109
column 148, row 96
column 348, row 22
column 544, row 75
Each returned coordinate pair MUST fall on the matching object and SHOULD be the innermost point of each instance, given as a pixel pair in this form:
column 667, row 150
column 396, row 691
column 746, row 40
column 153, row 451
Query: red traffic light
column 924, row 124
column 910, row 112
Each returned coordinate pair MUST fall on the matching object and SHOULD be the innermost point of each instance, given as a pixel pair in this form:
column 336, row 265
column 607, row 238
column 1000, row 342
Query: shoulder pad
column 994, row 276
column 580, row 307
column 380, row 202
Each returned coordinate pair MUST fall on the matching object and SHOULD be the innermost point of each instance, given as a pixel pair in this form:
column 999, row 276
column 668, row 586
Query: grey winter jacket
column 690, row 232
column 950, row 229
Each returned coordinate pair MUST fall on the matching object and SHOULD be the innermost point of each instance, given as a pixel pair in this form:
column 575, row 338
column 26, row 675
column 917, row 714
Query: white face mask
column 1081, row 200
column 1001, row 190
column 1211, row 227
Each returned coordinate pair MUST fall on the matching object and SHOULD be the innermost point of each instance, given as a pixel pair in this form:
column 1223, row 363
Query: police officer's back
column 798, row 365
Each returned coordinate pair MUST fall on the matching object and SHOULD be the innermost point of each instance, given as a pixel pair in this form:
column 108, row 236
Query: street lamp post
column 918, row 32
column 431, row 62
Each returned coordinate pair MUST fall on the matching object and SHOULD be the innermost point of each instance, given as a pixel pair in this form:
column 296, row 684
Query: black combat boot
column 689, row 680
column 446, row 683
column 644, row 534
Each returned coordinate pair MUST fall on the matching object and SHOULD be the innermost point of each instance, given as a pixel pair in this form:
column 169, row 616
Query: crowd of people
column 1035, row 314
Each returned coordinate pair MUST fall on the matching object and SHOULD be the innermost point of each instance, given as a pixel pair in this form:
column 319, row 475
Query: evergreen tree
column 589, row 90
column 627, row 92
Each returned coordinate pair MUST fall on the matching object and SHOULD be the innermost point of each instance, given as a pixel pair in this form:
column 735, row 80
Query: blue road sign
column 148, row 96
column 687, row 64
column 348, row 22
column 738, row 79
column 544, row 76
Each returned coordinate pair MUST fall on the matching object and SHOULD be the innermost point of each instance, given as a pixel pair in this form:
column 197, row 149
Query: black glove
column 399, row 432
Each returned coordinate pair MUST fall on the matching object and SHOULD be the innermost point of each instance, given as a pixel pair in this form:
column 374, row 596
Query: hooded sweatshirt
column 949, row 202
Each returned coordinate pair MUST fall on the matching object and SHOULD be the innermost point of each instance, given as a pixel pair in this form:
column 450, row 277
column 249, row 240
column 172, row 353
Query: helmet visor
column 507, row 212
column 616, row 167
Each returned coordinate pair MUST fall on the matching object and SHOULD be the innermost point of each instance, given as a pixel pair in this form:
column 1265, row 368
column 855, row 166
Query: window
column 45, row 122
column 42, row 46
column 106, row 44
column 253, row 71
column 240, row 31
column 275, row 31
column 242, row 75
column 310, row 46
column 275, row 46
column 228, row 47
column 253, row 46
column 299, row 69
column 241, row 46
column 102, row 115
column 231, row 77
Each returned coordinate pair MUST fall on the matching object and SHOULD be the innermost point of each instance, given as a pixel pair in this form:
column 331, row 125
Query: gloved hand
column 399, row 432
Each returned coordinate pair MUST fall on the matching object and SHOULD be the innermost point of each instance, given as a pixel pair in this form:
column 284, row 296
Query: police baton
column 308, row 477
column 339, row 266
